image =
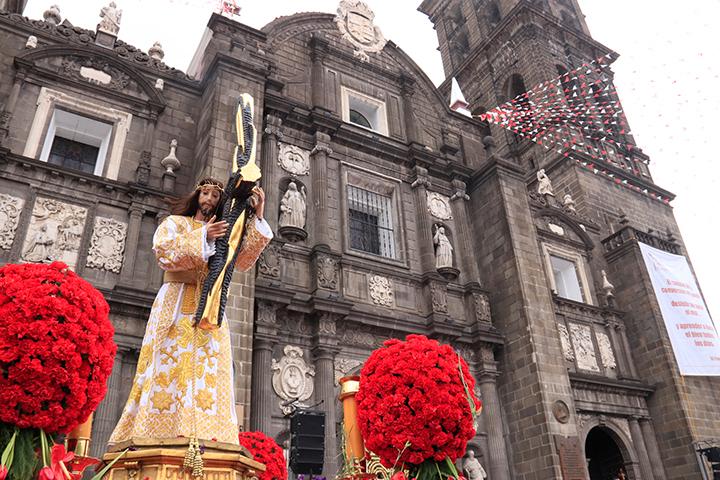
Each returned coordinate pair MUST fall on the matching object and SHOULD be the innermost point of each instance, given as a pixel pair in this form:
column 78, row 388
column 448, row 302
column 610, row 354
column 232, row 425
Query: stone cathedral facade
column 409, row 218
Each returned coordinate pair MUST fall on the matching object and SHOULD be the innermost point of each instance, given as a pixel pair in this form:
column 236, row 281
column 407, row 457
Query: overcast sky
column 667, row 76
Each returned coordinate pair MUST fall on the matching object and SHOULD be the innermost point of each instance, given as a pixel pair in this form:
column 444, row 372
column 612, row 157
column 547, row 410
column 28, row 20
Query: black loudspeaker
column 307, row 442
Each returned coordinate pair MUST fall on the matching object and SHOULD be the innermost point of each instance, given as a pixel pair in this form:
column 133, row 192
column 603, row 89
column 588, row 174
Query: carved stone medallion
column 327, row 272
column 55, row 232
column 269, row 261
column 355, row 22
column 292, row 377
column 561, row 412
column 581, row 337
column 10, row 208
column 107, row 245
column 606, row 352
column 439, row 206
column 381, row 291
column 293, row 159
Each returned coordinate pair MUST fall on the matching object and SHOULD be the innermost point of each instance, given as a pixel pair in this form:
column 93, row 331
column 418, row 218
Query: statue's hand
column 258, row 202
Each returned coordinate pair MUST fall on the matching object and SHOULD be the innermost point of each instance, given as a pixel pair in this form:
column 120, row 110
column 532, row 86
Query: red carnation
column 412, row 404
column 265, row 450
column 56, row 347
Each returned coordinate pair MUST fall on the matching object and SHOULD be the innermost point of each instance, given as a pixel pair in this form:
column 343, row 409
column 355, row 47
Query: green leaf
column 9, row 452
column 107, row 467
column 44, row 449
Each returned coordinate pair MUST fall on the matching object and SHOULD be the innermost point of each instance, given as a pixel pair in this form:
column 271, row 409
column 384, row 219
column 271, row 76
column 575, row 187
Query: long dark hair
column 188, row 205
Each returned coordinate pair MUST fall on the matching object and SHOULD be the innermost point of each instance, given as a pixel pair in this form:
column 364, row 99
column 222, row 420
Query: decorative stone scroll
column 565, row 343
column 292, row 378
column 438, row 295
column 327, row 272
column 10, row 208
column 482, row 307
column 107, row 245
column 355, row 22
column 581, row 337
column 55, row 232
column 269, row 261
column 381, row 291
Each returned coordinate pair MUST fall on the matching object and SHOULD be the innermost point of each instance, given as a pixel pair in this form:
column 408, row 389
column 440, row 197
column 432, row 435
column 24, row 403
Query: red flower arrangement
column 416, row 405
column 265, row 450
column 56, row 347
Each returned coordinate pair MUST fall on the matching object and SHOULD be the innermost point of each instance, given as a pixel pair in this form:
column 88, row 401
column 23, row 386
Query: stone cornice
column 605, row 384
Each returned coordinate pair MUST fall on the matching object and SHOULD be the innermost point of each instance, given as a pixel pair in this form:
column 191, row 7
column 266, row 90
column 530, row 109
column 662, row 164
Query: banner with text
column 692, row 332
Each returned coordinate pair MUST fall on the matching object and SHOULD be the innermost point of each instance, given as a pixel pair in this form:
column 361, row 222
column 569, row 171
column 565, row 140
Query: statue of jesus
column 184, row 381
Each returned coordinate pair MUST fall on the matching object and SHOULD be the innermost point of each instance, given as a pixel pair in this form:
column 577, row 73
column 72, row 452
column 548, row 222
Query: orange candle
column 78, row 440
column 354, row 447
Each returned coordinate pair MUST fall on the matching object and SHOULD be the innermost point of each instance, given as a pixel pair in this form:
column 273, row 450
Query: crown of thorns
column 210, row 184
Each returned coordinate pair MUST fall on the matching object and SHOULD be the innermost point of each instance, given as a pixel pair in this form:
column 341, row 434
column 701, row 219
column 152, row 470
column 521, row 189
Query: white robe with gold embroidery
column 184, row 380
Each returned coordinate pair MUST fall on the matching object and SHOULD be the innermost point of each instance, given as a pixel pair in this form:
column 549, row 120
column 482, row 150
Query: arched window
column 359, row 119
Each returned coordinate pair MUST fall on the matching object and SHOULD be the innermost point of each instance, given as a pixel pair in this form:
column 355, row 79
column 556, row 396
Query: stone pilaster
column 7, row 112
column 319, row 159
column 108, row 412
column 131, row 245
column 142, row 174
column 621, row 356
column 424, row 229
column 652, row 448
column 261, row 394
column 318, row 51
column 626, row 349
column 324, row 353
column 156, row 274
column 407, row 90
column 463, row 246
column 271, row 136
column 640, row 448
column 499, row 468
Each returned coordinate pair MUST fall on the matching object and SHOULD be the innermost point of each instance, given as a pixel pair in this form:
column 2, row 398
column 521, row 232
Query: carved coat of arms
column 355, row 21
column 292, row 377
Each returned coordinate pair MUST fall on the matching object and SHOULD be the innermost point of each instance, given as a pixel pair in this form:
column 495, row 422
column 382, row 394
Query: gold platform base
column 163, row 460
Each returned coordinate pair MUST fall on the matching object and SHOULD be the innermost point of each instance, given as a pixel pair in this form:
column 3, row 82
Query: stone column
column 318, row 51
column 261, row 390
column 499, row 469
column 7, row 112
column 156, row 274
column 407, row 90
column 318, row 160
column 324, row 352
column 640, row 448
column 108, row 412
column 131, row 244
column 272, row 135
column 463, row 243
column 626, row 349
column 424, row 229
column 142, row 174
column 652, row 448
column 618, row 348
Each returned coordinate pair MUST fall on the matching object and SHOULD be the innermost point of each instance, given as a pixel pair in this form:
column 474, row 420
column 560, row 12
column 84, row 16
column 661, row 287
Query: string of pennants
column 579, row 111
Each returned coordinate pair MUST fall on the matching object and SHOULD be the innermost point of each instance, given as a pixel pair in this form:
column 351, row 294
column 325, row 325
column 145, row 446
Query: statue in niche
column 293, row 207
column 110, row 19
column 569, row 203
column 545, row 188
column 40, row 249
column 443, row 249
column 473, row 468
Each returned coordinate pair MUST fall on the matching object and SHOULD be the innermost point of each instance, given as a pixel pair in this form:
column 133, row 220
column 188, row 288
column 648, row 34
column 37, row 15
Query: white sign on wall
column 692, row 333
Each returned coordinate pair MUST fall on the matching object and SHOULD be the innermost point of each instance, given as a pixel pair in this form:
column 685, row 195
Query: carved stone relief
column 606, row 352
column 266, row 314
column 343, row 366
column 482, row 307
column 292, row 377
column 359, row 338
column 294, row 159
column 107, row 245
column 381, row 291
column 565, row 343
column 269, row 261
column 10, row 208
column 54, row 233
column 292, row 322
column 326, row 324
column 581, row 337
column 355, row 22
column 438, row 295
column 95, row 71
column 327, row 272
column 439, row 206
